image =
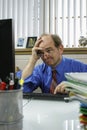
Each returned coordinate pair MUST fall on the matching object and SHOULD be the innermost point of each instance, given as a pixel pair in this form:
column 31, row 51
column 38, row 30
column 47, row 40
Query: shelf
column 28, row 51
column 75, row 50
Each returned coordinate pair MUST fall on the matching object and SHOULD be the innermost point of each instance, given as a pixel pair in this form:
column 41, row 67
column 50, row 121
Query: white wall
column 21, row 60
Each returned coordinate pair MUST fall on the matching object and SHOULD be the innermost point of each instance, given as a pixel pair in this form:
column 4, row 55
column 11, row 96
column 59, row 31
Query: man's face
column 50, row 54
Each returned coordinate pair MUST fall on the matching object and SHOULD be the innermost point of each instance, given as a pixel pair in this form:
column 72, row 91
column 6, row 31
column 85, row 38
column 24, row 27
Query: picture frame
column 31, row 41
column 21, row 42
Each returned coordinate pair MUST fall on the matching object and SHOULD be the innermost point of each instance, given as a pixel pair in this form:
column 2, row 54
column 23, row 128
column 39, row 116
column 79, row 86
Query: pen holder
column 11, row 109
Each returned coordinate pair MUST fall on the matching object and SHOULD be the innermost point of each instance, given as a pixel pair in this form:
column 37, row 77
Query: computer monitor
column 7, row 51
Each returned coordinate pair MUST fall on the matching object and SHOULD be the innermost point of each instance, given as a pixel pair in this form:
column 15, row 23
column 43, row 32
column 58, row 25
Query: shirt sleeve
column 33, row 81
column 79, row 66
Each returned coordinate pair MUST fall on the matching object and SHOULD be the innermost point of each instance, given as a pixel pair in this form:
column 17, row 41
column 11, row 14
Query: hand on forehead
column 44, row 42
column 39, row 40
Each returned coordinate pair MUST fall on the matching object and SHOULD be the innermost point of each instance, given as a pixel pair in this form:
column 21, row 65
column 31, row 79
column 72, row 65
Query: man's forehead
column 46, row 41
column 48, row 37
column 46, row 44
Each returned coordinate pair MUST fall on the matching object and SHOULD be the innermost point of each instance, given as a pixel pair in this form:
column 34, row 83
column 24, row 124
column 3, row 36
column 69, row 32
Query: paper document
column 77, row 84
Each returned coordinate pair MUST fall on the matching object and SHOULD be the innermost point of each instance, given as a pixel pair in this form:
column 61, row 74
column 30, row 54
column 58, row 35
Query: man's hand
column 60, row 88
column 36, row 49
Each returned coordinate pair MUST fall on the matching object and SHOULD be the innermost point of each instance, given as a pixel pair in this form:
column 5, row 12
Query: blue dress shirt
column 42, row 74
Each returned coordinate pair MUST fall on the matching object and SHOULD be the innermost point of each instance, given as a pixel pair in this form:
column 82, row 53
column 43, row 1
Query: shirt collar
column 60, row 66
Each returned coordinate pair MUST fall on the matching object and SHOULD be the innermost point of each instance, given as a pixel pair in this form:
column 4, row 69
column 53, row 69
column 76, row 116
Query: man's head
column 52, row 49
column 56, row 39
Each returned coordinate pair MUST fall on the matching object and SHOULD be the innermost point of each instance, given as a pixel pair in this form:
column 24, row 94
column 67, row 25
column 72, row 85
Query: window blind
column 22, row 13
column 67, row 18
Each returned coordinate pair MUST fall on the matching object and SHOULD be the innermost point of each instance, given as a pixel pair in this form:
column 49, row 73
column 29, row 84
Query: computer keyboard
column 45, row 96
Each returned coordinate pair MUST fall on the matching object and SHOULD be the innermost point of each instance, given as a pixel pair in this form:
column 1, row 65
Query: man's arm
column 27, row 71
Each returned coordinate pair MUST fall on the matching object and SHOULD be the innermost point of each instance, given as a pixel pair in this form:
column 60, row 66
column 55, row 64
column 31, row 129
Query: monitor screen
column 7, row 52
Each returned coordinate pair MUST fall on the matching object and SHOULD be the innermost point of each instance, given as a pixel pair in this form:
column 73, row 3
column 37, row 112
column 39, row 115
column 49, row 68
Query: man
column 49, row 48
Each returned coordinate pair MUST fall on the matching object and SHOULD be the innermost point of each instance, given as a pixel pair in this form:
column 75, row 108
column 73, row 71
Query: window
column 67, row 18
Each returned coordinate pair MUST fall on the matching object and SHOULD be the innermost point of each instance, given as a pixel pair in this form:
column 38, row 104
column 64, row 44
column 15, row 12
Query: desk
column 50, row 115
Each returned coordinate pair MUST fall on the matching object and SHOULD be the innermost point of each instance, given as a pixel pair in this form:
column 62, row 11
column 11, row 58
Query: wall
column 21, row 60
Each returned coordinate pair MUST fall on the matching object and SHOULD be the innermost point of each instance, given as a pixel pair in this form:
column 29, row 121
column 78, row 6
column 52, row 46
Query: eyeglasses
column 47, row 51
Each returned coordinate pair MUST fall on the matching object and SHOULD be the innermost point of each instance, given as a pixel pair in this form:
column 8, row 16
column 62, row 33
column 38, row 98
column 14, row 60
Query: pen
column 11, row 82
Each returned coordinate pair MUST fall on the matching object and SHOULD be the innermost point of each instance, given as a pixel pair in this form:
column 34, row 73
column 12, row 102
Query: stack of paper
column 77, row 77
column 77, row 84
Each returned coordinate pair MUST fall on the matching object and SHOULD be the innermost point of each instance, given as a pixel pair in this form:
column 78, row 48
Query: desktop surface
column 50, row 114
